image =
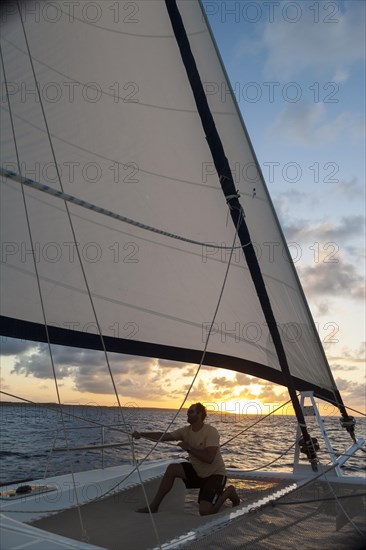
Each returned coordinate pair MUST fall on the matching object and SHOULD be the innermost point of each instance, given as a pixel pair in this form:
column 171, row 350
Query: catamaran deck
column 259, row 522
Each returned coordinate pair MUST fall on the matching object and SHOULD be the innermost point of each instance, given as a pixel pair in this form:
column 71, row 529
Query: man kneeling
column 206, row 470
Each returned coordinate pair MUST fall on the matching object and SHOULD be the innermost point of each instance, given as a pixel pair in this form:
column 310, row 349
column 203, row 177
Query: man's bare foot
column 145, row 510
column 232, row 495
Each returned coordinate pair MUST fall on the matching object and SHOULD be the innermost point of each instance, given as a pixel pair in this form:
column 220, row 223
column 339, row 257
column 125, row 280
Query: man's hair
column 201, row 409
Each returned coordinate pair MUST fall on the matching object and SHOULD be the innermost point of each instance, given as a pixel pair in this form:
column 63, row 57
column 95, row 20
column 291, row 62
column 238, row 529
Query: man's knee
column 174, row 470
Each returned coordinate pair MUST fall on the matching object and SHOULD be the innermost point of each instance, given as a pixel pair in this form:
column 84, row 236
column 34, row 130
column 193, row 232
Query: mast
column 237, row 213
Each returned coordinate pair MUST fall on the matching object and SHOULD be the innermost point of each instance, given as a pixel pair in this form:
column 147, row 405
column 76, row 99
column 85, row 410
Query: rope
column 273, row 461
column 255, row 423
column 136, row 467
column 193, row 381
column 199, row 367
column 142, row 485
column 342, row 508
column 72, row 226
column 83, row 532
column 99, row 210
column 69, row 216
column 50, row 455
column 99, row 424
column 84, row 535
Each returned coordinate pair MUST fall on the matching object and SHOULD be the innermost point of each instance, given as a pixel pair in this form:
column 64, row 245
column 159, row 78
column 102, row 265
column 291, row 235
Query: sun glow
column 255, row 389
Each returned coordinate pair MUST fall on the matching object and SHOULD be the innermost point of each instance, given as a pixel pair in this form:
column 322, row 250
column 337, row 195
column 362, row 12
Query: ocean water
column 31, row 434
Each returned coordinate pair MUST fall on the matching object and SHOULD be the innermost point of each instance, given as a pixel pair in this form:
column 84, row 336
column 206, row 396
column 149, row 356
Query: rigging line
column 99, row 424
column 210, row 329
column 99, row 210
column 273, row 461
column 194, row 378
column 225, row 175
column 350, row 408
column 58, row 194
column 71, row 223
column 142, row 485
column 350, row 520
column 50, row 455
column 338, row 453
column 82, row 528
column 84, row 535
column 309, row 481
column 255, row 423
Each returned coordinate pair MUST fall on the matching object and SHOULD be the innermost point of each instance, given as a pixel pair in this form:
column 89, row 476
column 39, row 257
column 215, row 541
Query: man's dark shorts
column 210, row 487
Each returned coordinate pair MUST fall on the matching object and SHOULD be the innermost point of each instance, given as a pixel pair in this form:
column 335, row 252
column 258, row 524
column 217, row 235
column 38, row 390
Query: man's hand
column 205, row 455
column 136, row 435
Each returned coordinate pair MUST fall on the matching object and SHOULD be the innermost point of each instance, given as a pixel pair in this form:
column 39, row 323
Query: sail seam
column 110, row 94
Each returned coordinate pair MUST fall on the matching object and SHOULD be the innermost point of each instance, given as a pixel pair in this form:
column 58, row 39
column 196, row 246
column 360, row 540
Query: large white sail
column 127, row 138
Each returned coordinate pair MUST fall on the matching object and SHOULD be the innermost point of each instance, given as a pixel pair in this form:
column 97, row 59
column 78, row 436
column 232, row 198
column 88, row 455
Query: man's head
column 197, row 411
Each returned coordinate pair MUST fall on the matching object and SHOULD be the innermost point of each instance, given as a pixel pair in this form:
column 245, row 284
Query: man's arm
column 154, row 436
column 205, row 455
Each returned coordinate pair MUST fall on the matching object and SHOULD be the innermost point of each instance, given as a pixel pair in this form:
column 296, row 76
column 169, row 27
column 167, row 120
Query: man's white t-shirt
column 207, row 436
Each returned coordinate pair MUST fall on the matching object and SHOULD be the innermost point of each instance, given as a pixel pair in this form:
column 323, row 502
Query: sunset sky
column 298, row 72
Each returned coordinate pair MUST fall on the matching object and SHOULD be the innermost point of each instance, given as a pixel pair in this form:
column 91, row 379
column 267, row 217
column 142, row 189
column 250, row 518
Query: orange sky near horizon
column 220, row 390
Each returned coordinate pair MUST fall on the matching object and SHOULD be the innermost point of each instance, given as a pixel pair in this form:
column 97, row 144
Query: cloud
column 201, row 392
column 326, row 232
column 138, row 378
column 245, row 379
column 308, row 124
column 65, row 359
column 324, row 42
column 12, row 346
column 142, row 379
column 221, row 382
column 4, row 386
column 338, row 366
column 270, row 393
column 333, row 279
column 352, row 355
column 87, row 368
column 340, row 76
column 352, row 190
column 350, row 390
column 323, row 309
column 358, row 128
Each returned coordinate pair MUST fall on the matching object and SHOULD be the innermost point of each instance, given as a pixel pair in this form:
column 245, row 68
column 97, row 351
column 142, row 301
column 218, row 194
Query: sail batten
column 165, row 291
